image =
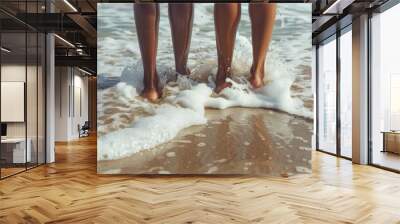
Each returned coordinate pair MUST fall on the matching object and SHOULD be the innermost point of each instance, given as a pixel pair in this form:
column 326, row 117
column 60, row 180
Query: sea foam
column 186, row 98
column 148, row 132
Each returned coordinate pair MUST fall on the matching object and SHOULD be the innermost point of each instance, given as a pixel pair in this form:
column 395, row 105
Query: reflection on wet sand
column 234, row 141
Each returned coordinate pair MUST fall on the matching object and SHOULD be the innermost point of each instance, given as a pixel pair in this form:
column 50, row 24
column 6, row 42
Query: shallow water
column 234, row 141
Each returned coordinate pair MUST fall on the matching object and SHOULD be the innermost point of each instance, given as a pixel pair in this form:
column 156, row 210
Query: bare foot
column 256, row 79
column 151, row 94
column 220, row 86
column 256, row 82
column 221, row 82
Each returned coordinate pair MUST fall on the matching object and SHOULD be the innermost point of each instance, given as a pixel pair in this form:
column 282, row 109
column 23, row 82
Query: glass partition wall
column 13, row 89
column 334, row 84
column 22, row 77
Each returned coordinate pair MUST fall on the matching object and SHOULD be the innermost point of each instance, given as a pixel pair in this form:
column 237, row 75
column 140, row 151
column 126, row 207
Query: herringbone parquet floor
column 70, row 191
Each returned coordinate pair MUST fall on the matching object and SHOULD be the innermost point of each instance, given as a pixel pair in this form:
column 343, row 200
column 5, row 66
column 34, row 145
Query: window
column 385, row 89
column 346, row 93
column 327, row 96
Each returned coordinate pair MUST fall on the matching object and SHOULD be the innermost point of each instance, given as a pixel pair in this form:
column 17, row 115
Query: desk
column 16, row 148
column 391, row 141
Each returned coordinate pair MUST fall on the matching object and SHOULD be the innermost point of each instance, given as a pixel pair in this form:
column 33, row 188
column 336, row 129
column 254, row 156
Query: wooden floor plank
column 70, row 191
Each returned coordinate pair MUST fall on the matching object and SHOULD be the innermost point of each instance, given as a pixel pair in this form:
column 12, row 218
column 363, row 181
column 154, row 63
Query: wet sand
column 234, row 141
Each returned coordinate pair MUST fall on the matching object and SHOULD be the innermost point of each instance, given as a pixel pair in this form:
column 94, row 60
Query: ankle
column 220, row 79
column 149, row 88
column 257, row 72
column 183, row 71
column 222, row 74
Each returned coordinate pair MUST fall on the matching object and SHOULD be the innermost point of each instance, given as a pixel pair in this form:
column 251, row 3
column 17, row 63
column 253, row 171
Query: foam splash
column 185, row 108
column 148, row 132
column 186, row 98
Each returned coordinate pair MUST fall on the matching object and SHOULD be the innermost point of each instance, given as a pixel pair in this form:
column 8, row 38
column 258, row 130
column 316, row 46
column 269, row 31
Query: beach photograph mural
column 204, row 88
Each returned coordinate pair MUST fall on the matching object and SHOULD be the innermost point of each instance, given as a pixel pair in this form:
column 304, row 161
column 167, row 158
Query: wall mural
column 204, row 88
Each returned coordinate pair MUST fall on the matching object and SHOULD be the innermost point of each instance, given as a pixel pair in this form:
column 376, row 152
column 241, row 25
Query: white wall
column 80, row 105
column 61, row 103
column 13, row 101
column 10, row 73
column 33, row 126
column 70, row 84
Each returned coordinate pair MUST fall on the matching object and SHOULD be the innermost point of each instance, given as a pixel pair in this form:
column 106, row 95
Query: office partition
column 22, row 77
